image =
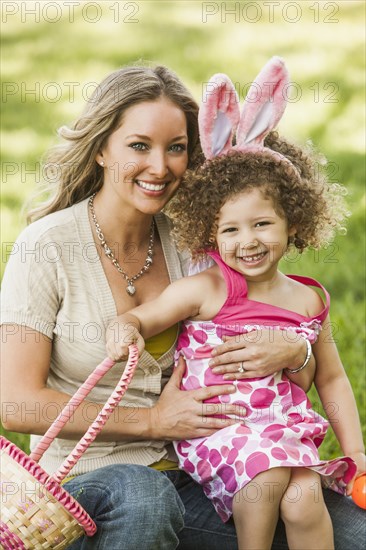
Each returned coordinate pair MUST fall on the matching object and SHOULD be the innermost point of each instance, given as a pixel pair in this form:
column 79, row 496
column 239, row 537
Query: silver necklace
column 130, row 289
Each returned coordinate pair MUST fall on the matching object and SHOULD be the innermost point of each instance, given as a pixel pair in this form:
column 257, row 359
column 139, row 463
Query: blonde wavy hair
column 71, row 172
column 304, row 197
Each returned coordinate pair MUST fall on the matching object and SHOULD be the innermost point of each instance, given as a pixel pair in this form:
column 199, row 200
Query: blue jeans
column 137, row 508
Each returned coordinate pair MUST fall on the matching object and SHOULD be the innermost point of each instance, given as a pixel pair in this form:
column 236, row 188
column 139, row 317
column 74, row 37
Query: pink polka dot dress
column 280, row 428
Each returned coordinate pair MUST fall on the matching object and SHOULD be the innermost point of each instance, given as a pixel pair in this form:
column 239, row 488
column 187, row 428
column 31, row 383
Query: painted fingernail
column 231, row 388
column 211, row 363
column 227, row 376
column 216, row 370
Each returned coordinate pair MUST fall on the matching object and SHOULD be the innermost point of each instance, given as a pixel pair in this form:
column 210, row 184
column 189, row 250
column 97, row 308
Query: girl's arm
column 337, row 398
column 181, row 300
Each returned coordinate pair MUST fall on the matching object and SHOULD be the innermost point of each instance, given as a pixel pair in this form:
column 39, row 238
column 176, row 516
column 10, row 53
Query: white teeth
column 150, row 186
column 255, row 258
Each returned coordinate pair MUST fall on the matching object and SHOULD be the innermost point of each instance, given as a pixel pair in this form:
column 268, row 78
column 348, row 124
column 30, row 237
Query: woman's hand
column 184, row 415
column 258, row 353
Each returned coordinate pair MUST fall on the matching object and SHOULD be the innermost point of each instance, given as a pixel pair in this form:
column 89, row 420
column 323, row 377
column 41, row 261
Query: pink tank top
column 239, row 307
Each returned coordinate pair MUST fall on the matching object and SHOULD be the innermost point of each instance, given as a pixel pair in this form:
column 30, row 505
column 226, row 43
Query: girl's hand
column 183, row 415
column 360, row 459
column 260, row 353
column 119, row 336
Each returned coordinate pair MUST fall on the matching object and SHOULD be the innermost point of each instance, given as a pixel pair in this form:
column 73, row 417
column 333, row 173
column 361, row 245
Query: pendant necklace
column 130, row 289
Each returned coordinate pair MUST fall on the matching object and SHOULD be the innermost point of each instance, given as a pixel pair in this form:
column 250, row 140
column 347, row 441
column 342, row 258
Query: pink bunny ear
column 264, row 105
column 218, row 116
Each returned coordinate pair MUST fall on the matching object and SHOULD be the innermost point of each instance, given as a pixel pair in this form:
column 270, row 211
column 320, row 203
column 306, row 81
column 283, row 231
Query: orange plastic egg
column 359, row 491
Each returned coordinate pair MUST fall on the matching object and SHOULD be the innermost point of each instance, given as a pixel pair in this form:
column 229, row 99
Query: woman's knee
column 150, row 488
column 142, row 487
column 123, row 492
column 130, row 502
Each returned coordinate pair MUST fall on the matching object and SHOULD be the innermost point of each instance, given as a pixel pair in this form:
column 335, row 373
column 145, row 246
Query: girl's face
column 145, row 158
column 251, row 236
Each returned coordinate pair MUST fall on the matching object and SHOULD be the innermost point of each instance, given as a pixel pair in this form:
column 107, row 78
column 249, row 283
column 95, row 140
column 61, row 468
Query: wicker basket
column 36, row 512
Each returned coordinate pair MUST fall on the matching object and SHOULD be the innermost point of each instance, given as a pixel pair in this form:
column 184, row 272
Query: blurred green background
column 54, row 54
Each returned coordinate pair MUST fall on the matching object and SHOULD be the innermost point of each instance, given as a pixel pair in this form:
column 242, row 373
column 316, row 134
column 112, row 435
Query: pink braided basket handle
column 98, row 423
column 63, row 497
column 10, row 540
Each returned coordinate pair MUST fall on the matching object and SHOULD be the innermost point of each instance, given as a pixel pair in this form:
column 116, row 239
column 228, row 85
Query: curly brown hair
column 304, row 197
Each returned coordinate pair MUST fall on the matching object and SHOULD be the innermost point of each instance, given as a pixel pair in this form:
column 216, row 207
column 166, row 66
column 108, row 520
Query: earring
column 102, row 163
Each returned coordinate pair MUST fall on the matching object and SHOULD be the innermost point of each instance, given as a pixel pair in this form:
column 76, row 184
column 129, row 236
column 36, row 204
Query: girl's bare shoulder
column 212, row 286
column 308, row 301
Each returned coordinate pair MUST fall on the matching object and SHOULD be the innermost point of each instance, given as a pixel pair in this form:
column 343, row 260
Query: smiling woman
column 145, row 158
column 116, row 168
column 73, row 163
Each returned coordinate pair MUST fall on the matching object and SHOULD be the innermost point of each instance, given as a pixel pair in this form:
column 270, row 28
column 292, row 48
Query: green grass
column 324, row 53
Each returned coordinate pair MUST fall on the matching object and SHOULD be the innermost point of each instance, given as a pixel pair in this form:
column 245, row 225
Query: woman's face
column 145, row 158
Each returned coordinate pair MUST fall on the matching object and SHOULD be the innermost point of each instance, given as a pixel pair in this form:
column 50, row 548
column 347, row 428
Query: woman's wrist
column 152, row 424
column 306, row 359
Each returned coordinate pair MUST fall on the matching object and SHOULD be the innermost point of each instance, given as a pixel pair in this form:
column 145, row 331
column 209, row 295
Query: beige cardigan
column 54, row 283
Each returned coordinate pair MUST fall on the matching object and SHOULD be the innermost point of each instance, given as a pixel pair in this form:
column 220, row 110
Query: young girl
column 243, row 208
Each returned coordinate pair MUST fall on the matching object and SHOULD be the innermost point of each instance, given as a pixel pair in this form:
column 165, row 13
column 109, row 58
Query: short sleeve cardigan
column 54, row 283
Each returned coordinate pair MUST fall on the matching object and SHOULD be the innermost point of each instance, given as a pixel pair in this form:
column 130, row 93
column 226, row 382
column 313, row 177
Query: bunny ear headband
column 219, row 116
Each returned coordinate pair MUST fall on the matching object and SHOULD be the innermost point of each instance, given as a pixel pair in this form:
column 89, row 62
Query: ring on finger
column 241, row 368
